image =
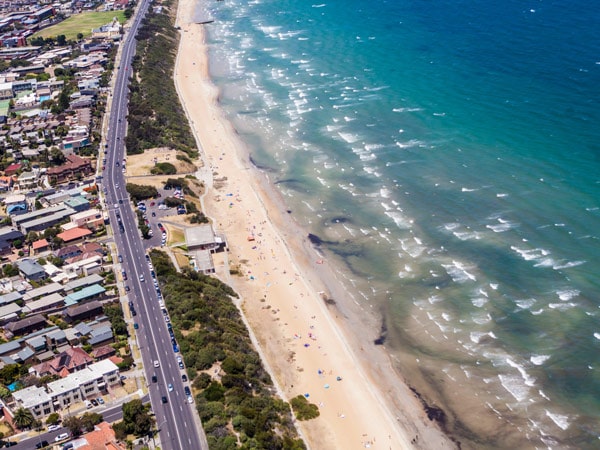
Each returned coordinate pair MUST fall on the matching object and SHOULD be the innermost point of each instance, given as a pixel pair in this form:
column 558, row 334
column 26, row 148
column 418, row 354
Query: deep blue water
column 448, row 151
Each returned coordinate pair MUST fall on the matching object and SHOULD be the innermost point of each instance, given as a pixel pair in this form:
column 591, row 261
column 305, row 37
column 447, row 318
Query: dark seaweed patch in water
column 382, row 335
column 314, row 239
column 260, row 166
column 287, row 180
column 433, row 412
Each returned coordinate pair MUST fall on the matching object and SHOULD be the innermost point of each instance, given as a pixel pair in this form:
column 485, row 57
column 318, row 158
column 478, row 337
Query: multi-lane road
column 176, row 419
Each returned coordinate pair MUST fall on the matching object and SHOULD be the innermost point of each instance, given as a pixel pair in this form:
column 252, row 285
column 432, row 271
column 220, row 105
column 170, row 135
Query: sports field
column 81, row 23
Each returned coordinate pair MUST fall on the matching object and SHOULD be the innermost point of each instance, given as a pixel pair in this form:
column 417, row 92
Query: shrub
column 303, row 409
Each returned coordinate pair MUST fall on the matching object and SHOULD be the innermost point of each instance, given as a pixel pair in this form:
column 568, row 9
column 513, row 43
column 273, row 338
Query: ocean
column 447, row 155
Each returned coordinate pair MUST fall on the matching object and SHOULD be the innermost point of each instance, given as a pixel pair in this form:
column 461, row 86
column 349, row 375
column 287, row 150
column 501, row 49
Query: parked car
column 184, row 377
column 53, row 427
column 61, row 437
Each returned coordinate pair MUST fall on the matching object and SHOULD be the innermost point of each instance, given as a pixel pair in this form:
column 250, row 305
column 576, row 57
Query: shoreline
column 308, row 346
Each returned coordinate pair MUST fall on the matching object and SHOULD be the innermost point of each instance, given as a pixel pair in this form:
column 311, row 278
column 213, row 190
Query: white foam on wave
column 567, row 265
column 597, row 336
column 464, row 189
column 348, row 137
column 531, row 254
column 502, row 226
column 476, row 336
column 413, row 247
column 459, row 272
column 401, row 221
column 560, row 420
column 567, row 294
column 410, row 144
column 481, row 318
column 525, row 303
column 528, row 379
column 402, row 110
column 515, row 387
column 479, row 302
column 538, row 360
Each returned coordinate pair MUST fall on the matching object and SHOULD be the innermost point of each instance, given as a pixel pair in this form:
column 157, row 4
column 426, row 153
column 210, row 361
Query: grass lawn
column 81, row 23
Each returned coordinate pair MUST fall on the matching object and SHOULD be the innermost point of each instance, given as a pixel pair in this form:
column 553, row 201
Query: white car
column 190, row 399
column 170, row 387
column 156, row 363
column 53, row 427
column 61, row 437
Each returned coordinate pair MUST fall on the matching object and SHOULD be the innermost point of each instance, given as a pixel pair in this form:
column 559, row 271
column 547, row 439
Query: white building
column 75, row 387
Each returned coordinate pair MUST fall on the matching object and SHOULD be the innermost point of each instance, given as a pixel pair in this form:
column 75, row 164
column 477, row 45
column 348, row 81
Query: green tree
column 61, row 40
column 53, row 419
column 56, row 155
column 23, row 418
column 4, row 392
column 10, row 270
column 74, row 424
column 79, row 36
column 89, row 420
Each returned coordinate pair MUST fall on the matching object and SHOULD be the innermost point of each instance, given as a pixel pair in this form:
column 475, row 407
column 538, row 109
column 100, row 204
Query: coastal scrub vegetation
column 163, row 168
column 235, row 396
column 139, row 192
column 156, row 117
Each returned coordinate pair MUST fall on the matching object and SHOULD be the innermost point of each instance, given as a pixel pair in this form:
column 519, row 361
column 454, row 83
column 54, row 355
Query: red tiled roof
column 41, row 243
column 74, row 233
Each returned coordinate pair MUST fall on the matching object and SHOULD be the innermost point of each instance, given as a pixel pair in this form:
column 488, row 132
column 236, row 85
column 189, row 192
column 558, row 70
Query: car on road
column 190, row 400
column 184, row 378
column 141, row 277
column 41, row 444
column 153, row 214
column 54, row 427
column 164, row 399
column 127, row 288
column 120, row 258
column 156, row 363
column 61, row 437
column 187, row 390
column 170, row 387
column 180, row 365
column 135, row 326
column 154, row 378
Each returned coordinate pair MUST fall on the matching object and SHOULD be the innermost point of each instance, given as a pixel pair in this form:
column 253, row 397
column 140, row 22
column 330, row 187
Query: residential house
column 27, row 325
column 91, row 219
column 74, row 235
column 88, row 310
column 31, row 269
column 74, row 168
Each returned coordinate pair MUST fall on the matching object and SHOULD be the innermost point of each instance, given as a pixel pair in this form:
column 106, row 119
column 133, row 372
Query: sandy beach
column 283, row 282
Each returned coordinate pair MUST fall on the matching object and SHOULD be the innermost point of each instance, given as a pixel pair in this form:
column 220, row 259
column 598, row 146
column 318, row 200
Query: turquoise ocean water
column 447, row 153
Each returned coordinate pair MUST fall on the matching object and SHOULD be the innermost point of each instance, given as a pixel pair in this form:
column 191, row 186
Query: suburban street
column 178, row 424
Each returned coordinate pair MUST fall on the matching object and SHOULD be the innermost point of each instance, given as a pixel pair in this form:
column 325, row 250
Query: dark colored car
column 184, row 377
column 164, row 399
column 187, row 390
column 154, row 378
column 38, row 445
